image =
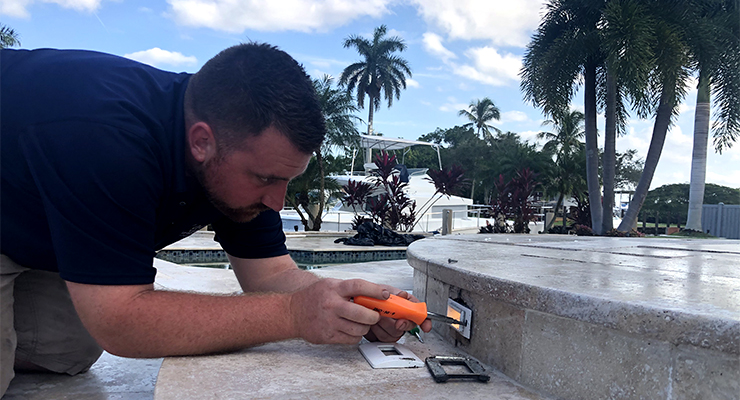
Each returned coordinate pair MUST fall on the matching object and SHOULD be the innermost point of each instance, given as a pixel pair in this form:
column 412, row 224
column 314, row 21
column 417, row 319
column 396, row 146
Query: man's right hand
column 322, row 312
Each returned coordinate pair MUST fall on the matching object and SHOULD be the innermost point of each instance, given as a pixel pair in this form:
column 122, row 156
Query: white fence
column 721, row 220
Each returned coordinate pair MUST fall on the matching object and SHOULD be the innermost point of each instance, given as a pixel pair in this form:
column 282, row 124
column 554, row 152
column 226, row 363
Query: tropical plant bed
column 693, row 234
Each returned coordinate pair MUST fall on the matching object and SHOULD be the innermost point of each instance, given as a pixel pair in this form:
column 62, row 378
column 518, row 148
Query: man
column 105, row 161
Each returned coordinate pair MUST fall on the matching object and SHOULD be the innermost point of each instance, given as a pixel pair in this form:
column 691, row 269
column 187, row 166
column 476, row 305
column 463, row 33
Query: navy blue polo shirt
column 94, row 179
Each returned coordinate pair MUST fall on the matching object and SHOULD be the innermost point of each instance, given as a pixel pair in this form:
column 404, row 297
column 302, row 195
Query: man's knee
column 50, row 335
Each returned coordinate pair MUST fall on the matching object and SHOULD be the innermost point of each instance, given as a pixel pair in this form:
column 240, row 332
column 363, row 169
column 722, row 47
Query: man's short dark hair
column 247, row 88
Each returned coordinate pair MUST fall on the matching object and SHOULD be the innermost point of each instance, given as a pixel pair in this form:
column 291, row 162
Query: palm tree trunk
column 660, row 129
column 592, row 148
column 369, row 155
column 370, row 130
column 699, row 155
column 322, row 193
column 610, row 139
column 293, row 204
column 557, row 206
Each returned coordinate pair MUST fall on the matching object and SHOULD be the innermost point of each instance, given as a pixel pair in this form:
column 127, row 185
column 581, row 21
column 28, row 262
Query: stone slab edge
column 672, row 326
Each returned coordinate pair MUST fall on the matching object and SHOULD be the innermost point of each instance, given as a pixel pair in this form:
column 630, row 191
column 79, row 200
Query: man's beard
column 205, row 175
column 241, row 214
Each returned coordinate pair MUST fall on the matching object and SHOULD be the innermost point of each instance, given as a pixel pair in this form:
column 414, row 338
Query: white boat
column 420, row 189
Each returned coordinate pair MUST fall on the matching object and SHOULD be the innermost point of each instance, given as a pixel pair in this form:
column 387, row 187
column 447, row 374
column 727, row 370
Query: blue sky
column 458, row 50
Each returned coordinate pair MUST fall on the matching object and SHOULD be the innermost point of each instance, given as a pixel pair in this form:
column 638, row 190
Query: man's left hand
column 391, row 330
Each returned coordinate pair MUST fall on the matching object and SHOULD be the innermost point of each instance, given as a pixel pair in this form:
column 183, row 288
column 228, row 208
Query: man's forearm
column 176, row 323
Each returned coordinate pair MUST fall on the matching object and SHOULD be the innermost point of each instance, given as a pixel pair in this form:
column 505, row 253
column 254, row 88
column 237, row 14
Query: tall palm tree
column 480, row 113
column 565, row 145
column 381, row 72
column 565, row 51
column 8, row 37
column 626, row 31
column 667, row 82
column 715, row 47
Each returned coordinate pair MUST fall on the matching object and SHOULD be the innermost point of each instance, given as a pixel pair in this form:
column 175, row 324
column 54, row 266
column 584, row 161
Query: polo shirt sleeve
column 261, row 237
column 100, row 187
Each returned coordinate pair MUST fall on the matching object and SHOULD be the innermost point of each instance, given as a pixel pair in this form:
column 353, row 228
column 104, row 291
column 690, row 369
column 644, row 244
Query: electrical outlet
column 461, row 313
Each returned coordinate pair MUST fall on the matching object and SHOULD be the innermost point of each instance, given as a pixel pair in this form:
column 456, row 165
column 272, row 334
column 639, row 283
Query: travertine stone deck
column 298, row 370
column 586, row 318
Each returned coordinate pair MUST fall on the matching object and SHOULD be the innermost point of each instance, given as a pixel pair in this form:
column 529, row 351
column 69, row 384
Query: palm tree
column 479, row 113
column 715, row 47
column 304, row 192
column 563, row 52
column 667, row 82
column 381, row 72
column 8, row 37
column 338, row 109
column 625, row 35
column 565, row 145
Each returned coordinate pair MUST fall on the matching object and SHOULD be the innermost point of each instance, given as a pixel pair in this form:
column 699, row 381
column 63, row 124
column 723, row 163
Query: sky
column 459, row 51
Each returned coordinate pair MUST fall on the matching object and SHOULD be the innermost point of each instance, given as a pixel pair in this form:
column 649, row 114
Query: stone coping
column 675, row 290
column 295, row 369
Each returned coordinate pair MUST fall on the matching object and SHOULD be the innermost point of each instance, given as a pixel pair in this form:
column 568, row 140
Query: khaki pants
column 39, row 325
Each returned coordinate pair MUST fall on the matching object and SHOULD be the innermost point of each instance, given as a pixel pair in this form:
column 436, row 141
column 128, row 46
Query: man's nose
column 275, row 197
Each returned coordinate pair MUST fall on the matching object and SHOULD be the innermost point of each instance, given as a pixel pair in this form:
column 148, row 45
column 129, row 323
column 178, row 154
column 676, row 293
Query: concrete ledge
column 588, row 318
column 307, row 248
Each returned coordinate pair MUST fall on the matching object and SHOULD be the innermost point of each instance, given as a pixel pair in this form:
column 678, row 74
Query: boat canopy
column 370, row 142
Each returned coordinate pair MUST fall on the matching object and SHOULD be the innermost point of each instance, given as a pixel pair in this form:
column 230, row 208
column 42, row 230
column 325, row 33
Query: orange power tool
column 399, row 308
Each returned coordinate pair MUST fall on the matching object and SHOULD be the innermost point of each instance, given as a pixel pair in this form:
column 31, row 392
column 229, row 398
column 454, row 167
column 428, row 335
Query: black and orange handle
column 395, row 307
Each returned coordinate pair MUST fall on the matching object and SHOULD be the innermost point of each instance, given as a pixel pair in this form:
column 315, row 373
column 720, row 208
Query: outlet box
column 461, row 313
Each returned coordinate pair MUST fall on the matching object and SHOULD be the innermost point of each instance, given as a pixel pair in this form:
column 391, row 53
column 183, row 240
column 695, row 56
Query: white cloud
column 433, row 44
column 453, row 105
column 675, row 137
column 685, row 108
column 79, row 5
column 731, row 178
column 490, row 67
column 503, row 22
column 514, row 116
column 530, row 136
column 412, row 83
column 296, row 15
column 157, row 57
column 19, row 8
column 466, row 87
column 15, row 8
column 320, row 62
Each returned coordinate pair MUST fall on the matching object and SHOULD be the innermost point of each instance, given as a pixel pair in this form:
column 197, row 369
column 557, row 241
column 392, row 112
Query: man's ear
column 201, row 141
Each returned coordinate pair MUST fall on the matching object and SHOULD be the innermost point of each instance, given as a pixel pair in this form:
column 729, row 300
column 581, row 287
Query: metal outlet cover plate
column 436, row 365
column 389, row 355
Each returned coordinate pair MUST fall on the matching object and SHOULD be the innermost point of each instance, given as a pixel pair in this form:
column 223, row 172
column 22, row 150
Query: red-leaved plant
column 392, row 209
column 513, row 199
